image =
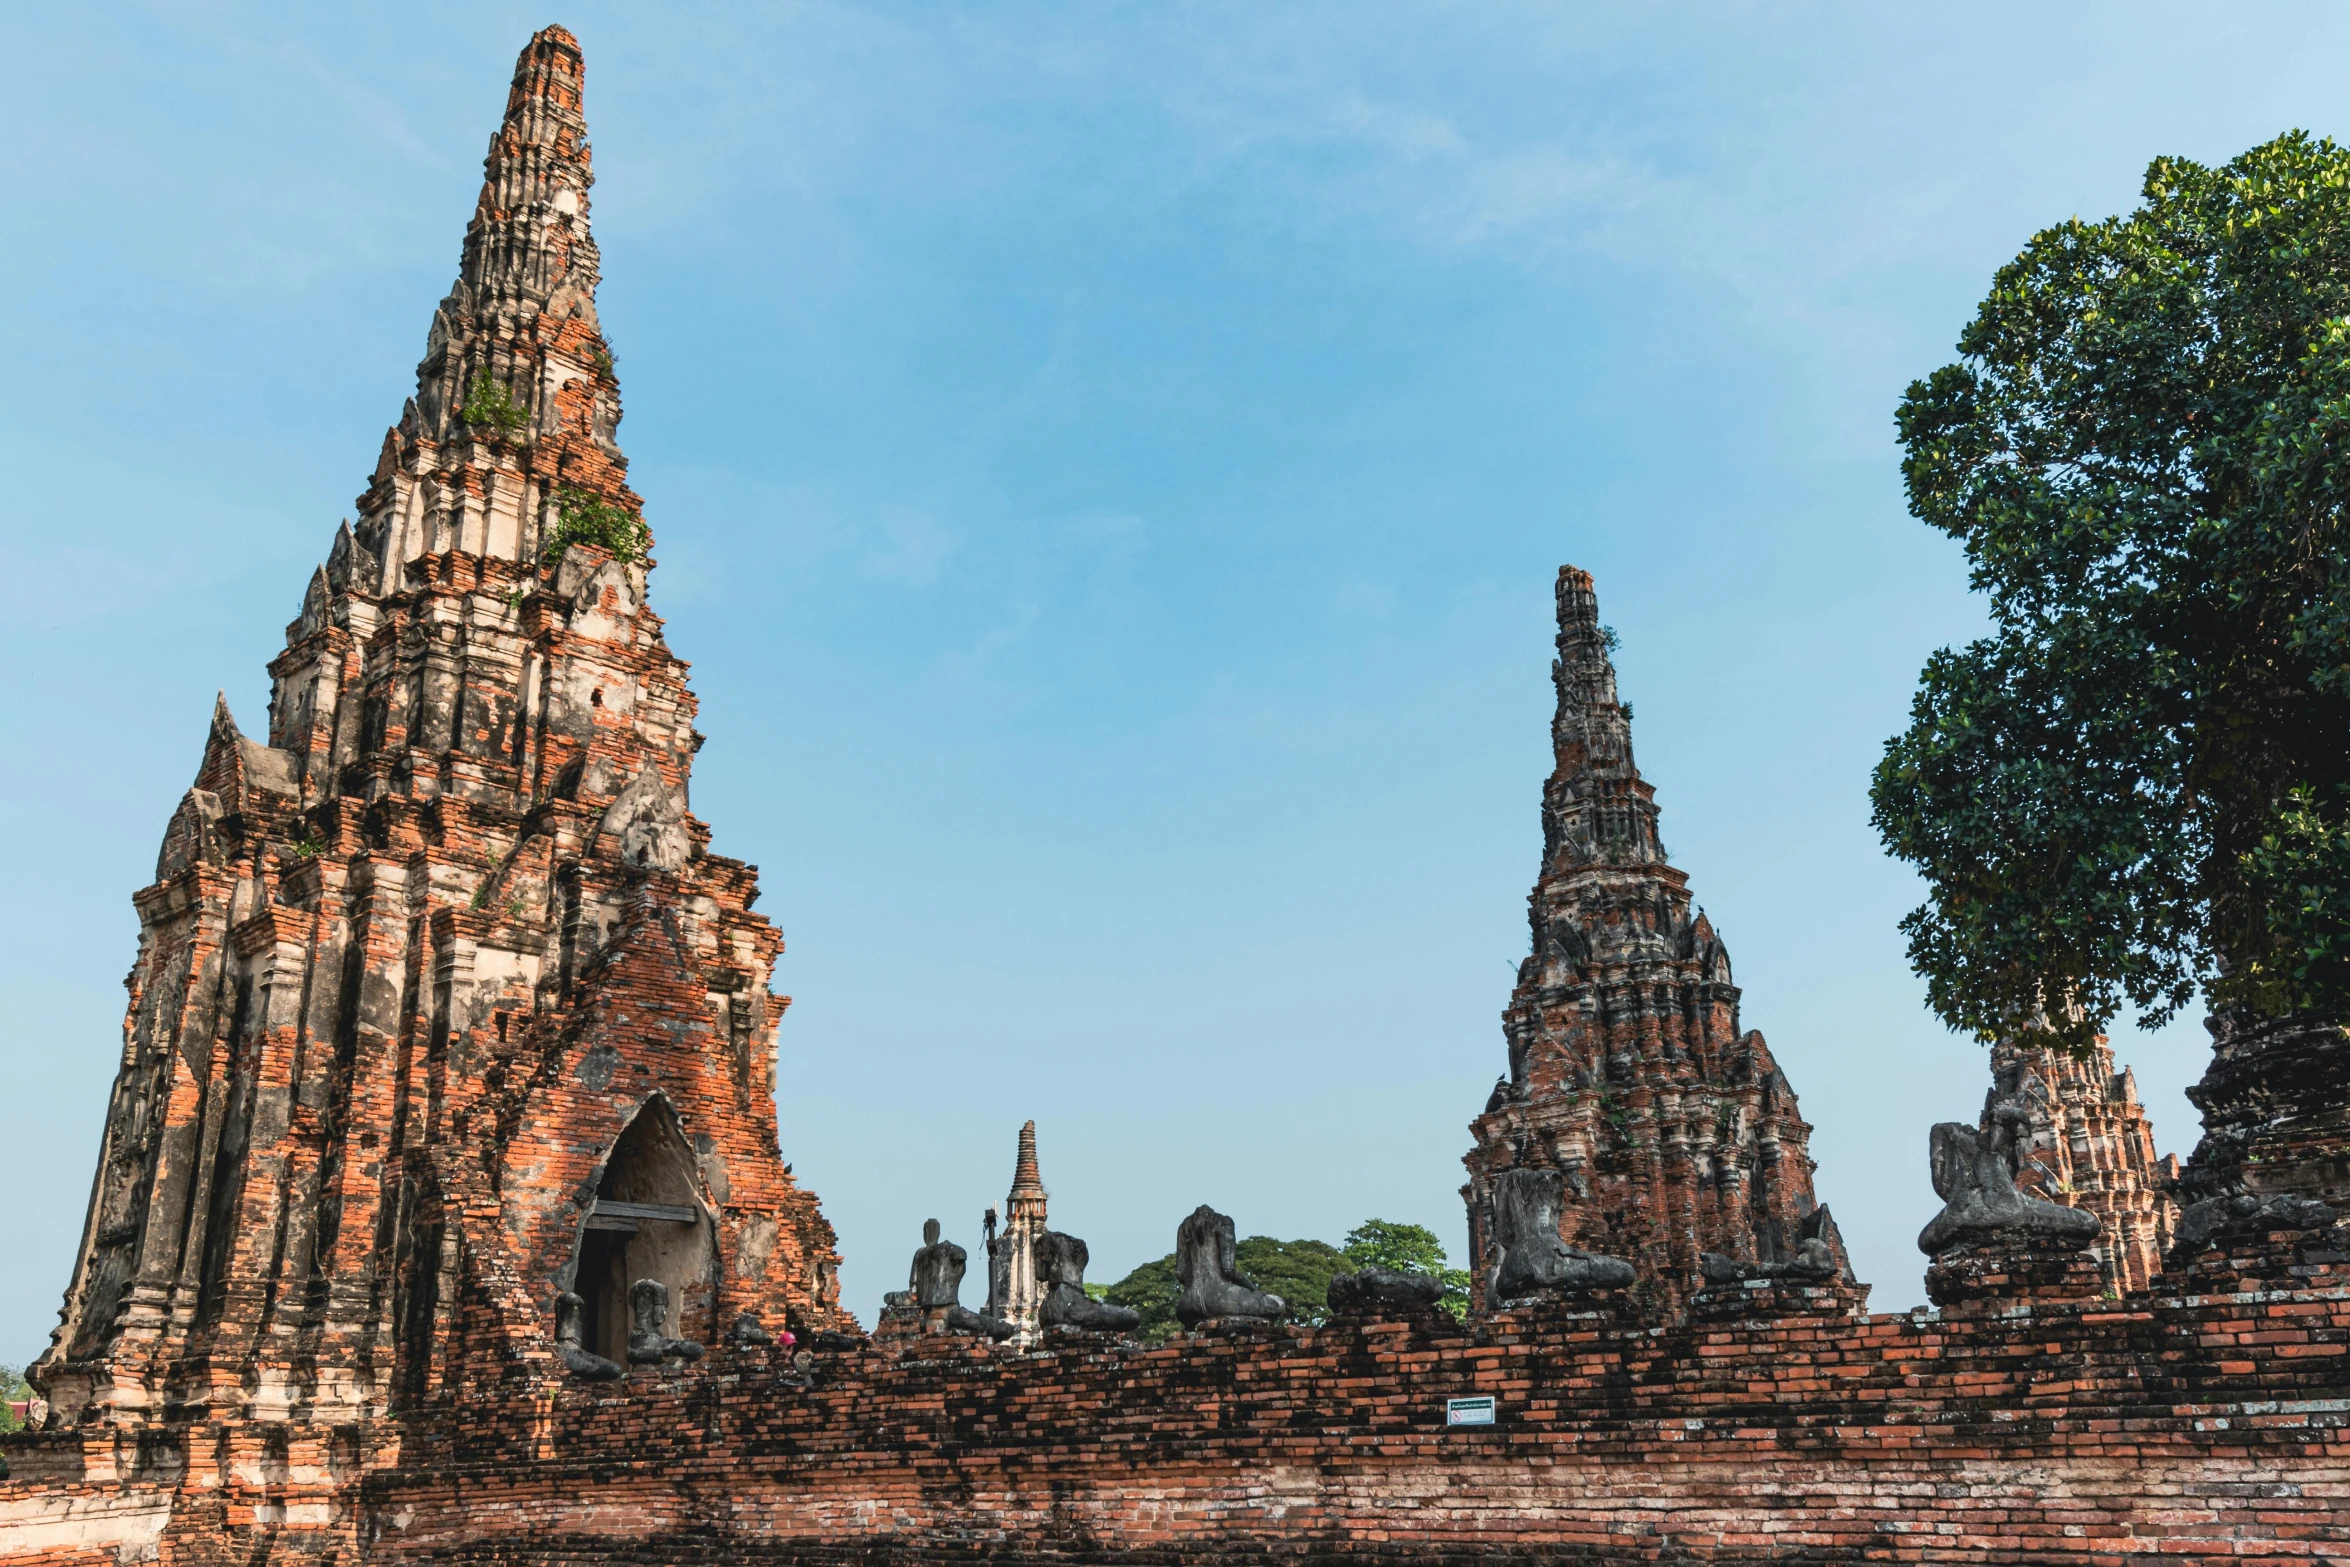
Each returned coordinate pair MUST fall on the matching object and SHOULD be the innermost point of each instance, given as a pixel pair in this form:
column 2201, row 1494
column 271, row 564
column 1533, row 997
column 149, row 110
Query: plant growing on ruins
column 2138, row 784
column 583, row 517
column 309, row 846
column 488, row 404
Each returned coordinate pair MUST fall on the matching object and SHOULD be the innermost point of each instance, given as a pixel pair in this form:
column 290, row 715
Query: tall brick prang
column 2089, row 1145
column 1675, row 1131
column 442, row 1005
column 446, row 1027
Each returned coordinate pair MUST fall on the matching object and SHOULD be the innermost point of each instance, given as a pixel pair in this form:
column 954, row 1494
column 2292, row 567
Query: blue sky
column 1109, row 465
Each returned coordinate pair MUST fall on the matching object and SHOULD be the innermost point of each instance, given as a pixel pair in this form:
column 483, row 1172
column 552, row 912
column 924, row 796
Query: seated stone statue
column 936, row 1283
column 1814, row 1260
column 1527, row 1204
column 575, row 1355
column 1813, row 1263
column 1974, row 1175
column 1062, row 1259
column 1383, row 1291
column 648, row 1342
column 748, row 1332
column 1212, row 1285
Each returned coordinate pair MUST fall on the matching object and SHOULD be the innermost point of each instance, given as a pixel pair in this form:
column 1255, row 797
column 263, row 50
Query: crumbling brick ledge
column 2198, row 1422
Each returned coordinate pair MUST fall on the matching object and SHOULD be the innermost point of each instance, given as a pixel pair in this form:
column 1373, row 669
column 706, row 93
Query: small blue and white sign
column 1469, row 1411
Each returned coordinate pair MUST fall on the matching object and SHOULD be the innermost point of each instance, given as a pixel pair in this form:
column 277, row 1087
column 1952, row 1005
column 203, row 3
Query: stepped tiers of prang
column 1673, row 1133
column 440, row 990
column 441, row 1214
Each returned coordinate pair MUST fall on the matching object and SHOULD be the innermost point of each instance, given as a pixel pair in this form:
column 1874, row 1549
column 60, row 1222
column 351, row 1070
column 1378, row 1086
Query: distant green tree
column 1150, row 1289
column 1298, row 1271
column 1409, row 1248
column 12, row 1391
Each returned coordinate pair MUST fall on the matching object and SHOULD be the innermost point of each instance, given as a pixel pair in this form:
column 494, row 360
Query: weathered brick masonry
column 444, row 1009
column 2202, row 1421
column 1673, row 1129
column 442, row 1003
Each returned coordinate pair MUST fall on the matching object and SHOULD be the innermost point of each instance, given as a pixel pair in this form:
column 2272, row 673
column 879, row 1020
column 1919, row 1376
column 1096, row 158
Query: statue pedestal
column 2257, row 1258
column 1976, row 1280
column 2276, row 1114
column 1548, row 1312
column 1766, row 1300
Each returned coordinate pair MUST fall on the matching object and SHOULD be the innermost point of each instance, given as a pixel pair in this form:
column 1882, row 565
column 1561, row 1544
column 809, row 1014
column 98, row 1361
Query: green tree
column 1150, row 1289
column 13, row 1390
column 1408, row 1248
column 1298, row 1271
column 2138, row 785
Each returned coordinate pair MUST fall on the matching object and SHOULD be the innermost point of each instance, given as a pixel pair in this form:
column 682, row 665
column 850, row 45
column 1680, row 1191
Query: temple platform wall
column 2200, row 1421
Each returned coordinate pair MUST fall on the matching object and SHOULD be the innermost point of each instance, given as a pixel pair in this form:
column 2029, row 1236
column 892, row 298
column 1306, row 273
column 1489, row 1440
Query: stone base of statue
column 1384, row 1295
column 1810, row 1283
column 1993, row 1276
column 1772, row 1297
column 2276, row 1114
column 1547, row 1313
column 2244, row 1243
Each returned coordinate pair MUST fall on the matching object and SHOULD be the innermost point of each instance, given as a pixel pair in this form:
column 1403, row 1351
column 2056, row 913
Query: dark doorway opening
column 648, row 1223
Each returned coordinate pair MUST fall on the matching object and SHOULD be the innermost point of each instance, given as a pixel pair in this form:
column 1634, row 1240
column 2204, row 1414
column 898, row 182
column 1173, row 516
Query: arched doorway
column 648, row 1222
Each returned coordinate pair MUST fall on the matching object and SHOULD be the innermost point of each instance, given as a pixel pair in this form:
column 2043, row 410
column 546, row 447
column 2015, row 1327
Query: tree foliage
column 2138, row 785
column 1298, row 1271
column 1152, row 1290
column 1409, row 1248
column 13, row 1390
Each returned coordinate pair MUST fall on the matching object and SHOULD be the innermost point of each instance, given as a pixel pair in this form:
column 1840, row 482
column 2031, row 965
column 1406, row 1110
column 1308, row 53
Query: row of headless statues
column 1212, row 1286
column 1533, row 1260
column 1975, row 1171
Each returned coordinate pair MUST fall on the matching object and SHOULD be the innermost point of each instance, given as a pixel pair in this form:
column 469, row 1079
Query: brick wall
column 2200, row 1421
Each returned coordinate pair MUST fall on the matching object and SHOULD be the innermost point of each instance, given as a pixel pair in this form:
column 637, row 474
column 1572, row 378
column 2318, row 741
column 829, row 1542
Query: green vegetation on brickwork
column 1409, row 1248
column 583, row 517
column 489, row 405
column 2137, row 786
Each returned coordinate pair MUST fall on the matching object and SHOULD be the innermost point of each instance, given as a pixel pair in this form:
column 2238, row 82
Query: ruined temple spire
column 528, row 244
column 1596, row 803
column 466, row 839
column 1027, row 1185
column 512, row 438
column 1669, row 1129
